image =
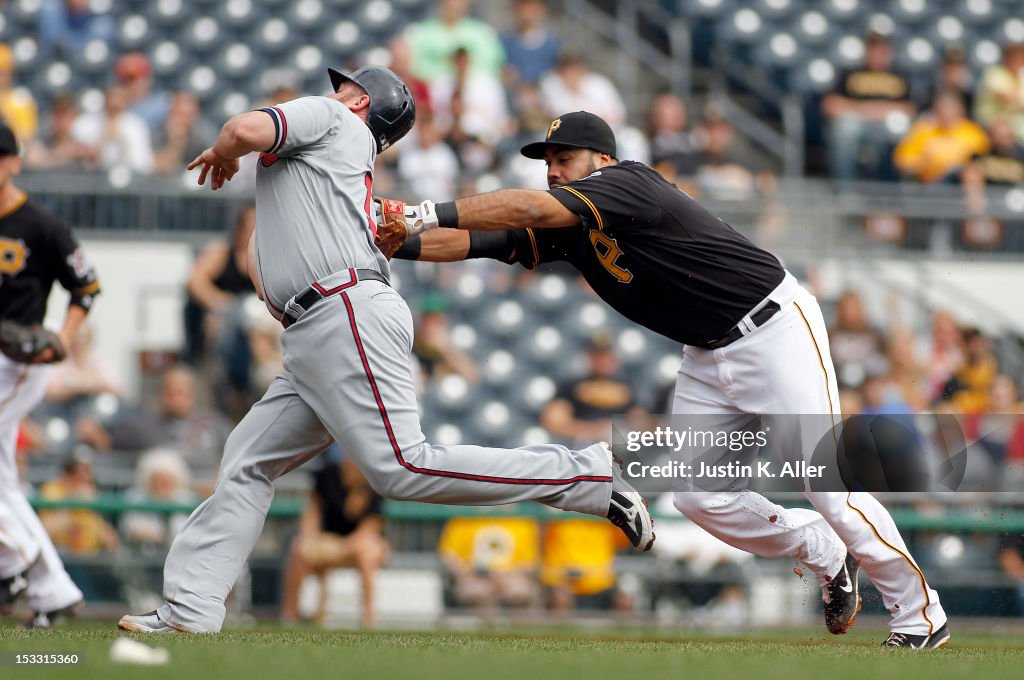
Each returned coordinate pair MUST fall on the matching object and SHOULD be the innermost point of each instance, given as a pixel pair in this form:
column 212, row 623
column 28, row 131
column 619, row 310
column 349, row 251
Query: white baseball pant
column 784, row 367
column 23, row 540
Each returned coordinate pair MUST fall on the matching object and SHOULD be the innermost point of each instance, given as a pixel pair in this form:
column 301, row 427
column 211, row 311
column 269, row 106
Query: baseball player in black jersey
column 755, row 343
column 36, row 249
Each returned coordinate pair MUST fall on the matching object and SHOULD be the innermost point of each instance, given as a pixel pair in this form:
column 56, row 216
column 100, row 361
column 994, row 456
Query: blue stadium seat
column 378, row 17
column 134, row 32
column 847, row 51
column 849, row 13
column 780, row 50
column 54, row 77
column 169, row 13
column 235, row 60
column 947, row 28
column 273, row 36
column 813, row 28
column 167, row 58
column 1012, row 30
column 341, row 39
column 917, row 55
column 94, row 57
column 230, row 104
column 239, row 17
column 913, row 12
column 309, row 61
column 982, row 13
column 815, row 77
column 534, row 392
column 27, row 56
column 984, row 53
column 745, row 25
column 706, row 8
column 307, row 15
column 202, row 34
column 777, row 10
column 201, row 79
column 499, row 368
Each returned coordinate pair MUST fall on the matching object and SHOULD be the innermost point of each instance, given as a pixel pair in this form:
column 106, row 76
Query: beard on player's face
column 566, row 164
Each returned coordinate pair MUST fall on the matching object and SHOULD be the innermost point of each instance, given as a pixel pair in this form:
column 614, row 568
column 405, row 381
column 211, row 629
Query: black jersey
column 36, row 249
column 654, row 254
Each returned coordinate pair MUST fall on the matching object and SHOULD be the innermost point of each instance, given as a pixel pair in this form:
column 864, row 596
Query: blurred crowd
column 481, row 93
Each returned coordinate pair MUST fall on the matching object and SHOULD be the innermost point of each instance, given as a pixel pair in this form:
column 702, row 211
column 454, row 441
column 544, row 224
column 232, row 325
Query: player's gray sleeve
column 306, row 122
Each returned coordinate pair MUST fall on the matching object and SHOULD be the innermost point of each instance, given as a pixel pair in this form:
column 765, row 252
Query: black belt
column 758, row 319
column 315, row 293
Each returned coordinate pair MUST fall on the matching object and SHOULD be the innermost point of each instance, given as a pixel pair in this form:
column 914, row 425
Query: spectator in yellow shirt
column 79, row 531
column 579, row 566
column 941, row 143
column 492, row 560
column 17, row 106
column 1001, row 91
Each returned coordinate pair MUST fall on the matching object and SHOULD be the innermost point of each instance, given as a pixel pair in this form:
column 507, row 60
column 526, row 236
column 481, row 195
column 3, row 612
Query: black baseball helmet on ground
column 392, row 109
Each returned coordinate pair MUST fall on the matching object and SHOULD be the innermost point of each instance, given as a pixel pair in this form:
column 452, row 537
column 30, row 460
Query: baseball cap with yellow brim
column 580, row 129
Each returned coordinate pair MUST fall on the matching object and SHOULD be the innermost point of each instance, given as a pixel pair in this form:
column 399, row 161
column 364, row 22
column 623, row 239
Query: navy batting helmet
column 392, row 110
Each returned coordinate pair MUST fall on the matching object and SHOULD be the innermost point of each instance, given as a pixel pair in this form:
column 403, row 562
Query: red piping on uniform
column 443, row 473
column 284, row 129
column 369, row 199
column 352, row 280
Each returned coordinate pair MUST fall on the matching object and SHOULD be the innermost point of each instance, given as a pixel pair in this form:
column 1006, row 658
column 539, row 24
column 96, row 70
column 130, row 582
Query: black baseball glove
column 25, row 344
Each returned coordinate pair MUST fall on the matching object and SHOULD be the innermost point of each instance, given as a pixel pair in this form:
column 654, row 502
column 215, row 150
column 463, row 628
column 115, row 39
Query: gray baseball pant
column 347, row 378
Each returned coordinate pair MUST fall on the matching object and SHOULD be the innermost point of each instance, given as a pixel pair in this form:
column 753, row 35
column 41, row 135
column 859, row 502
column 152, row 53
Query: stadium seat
column 912, row 12
column 55, row 77
column 813, row 28
column 777, row 10
column 341, row 39
column 27, row 55
column 201, row 35
column 134, row 32
column 499, row 368
column 1012, row 30
column 984, row 53
column 780, row 50
column 273, row 35
column 534, row 393
column 202, row 80
column 978, row 12
column 309, row 61
column 306, row 15
column 94, row 57
column 378, row 17
column 234, row 60
column 166, row 58
column 917, row 55
column 239, row 16
column 849, row 13
column 947, row 28
column 846, row 52
column 744, row 25
column 815, row 77
column 169, row 13
column 232, row 103
column 706, row 8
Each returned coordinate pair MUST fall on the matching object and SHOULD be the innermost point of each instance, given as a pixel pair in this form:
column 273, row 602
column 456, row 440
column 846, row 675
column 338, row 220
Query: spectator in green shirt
column 435, row 40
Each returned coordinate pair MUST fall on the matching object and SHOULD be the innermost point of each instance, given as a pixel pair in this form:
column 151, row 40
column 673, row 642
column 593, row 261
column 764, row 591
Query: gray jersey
column 313, row 205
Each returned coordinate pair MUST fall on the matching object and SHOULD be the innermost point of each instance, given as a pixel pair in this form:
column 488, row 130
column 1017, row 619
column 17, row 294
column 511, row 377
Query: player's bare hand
column 218, row 168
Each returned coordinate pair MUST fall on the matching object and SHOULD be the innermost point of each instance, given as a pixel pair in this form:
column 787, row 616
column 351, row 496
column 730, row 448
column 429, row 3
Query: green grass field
column 533, row 655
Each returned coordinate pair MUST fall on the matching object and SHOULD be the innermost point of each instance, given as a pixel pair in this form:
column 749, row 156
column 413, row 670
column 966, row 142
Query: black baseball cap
column 8, row 142
column 580, row 129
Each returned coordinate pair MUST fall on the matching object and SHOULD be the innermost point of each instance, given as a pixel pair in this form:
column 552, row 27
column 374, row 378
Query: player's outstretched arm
column 506, row 209
column 242, row 134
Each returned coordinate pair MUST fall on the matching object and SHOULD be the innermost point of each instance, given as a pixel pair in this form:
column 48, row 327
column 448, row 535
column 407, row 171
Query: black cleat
column 628, row 509
column 908, row 641
column 52, row 618
column 842, row 597
column 11, row 589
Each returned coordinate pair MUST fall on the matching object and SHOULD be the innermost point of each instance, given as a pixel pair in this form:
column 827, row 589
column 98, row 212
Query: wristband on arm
column 447, row 214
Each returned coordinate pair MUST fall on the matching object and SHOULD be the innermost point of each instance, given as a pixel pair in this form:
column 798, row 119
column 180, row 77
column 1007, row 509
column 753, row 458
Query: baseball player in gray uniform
column 346, row 348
